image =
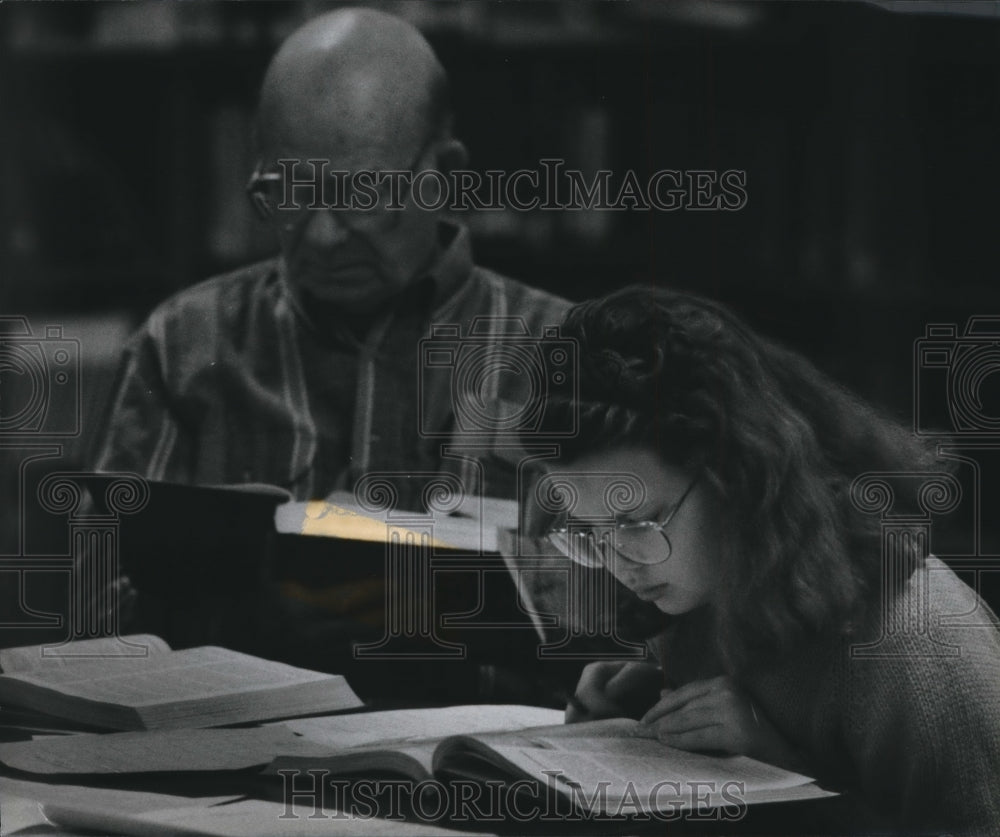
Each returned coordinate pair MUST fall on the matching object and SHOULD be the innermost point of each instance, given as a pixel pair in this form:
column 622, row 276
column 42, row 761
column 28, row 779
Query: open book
column 137, row 682
column 609, row 767
column 474, row 526
column 241, row 748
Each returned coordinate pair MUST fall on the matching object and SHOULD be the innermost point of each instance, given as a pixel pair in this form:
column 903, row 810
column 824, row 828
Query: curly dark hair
column 778, row 440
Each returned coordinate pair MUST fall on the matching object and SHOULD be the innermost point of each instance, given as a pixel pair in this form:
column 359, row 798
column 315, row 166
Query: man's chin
column 353, row 289
column 360, row 303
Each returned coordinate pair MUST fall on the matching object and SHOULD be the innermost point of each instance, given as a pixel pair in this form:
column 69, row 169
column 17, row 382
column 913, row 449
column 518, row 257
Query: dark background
column 868, row 132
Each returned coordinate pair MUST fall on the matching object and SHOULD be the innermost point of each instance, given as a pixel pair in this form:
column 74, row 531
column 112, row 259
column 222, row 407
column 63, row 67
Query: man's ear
column 451, row 154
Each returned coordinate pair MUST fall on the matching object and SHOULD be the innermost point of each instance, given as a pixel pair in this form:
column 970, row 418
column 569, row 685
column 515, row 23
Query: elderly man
column 305, row 371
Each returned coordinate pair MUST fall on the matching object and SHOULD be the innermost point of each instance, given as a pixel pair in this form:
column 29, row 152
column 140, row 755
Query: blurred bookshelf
column 868, row 140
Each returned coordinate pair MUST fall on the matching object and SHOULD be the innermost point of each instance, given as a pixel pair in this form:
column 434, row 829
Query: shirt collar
column 454, row 262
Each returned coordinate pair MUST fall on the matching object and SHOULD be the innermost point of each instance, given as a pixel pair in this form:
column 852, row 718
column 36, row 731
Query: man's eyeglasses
column 363, row 200
column 641, row 541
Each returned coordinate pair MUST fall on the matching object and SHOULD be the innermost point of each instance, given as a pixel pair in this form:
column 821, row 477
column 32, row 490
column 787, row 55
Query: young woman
column 743, row 531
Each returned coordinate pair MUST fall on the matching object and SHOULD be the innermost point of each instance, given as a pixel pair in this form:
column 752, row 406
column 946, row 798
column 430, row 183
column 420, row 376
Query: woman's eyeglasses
column 641, row 541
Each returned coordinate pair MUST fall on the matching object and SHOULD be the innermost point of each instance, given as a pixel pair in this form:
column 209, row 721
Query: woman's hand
column 614, row 689
column 717, row 715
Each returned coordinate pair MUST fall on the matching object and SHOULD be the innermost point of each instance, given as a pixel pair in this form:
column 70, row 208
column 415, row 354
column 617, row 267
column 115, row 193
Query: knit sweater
column 909, row 726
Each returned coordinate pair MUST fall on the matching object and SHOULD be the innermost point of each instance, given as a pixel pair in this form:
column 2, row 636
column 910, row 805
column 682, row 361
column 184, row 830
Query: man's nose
column 323, row 228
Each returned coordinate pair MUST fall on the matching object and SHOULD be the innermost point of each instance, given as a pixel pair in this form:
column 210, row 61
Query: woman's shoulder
column 922, row 699
column 929, row 614
column 929, row 632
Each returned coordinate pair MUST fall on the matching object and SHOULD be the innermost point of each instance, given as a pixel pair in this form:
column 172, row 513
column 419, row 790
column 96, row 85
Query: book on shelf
column 137, row 682
column 598, row 767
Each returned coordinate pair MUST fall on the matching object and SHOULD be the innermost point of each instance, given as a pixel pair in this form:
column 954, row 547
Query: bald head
column 354, row 81
column 360, row 91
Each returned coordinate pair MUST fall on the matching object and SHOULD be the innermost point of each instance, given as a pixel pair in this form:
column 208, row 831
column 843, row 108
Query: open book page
column 111, row 648
column 245, row 818
column 258, row 489
column 339, row 516
column 420, row 724
column 496, row 511
column 472, row 755
column 408, row 741
column 499, row 511
column 156, row 751
column 602, row 774
column 22, row 801
column 605, row 728
column 180, row 675
column 205, row 686
column 602, row 763
column 414, row 761
column 466, row 534
column 402, row 741
column 542, row 736
column 644, row 762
